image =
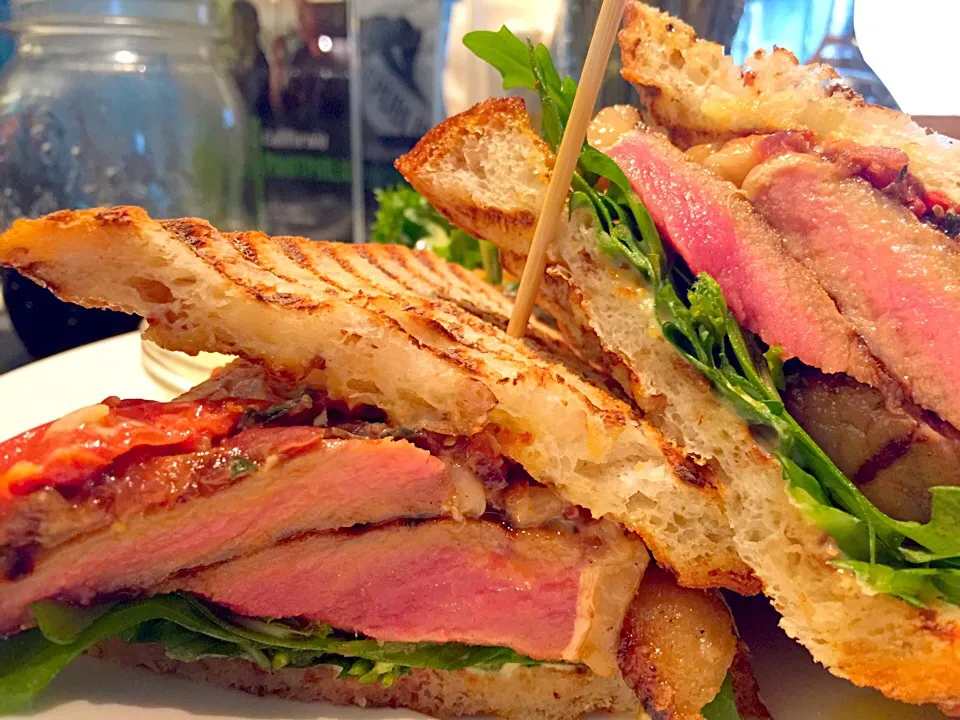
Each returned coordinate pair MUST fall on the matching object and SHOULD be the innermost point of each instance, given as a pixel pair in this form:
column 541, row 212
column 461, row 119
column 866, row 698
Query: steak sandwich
column 387, row 501
column 767, row 266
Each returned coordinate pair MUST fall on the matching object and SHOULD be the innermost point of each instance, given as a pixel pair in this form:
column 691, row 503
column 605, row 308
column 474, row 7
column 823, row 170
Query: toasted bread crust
column 689, row 87
column 522, row 694
column 908, row 653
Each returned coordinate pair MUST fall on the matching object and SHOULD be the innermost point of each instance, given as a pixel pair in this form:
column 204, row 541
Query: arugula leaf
column 33, row 661
column 724, row 705
column 190, row 629
column 506, row 52
column 917, row 585
column 61, row 623
column 919, row 562
column 775, row 367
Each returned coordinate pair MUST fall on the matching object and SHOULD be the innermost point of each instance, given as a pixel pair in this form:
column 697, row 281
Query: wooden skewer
column 593, row 69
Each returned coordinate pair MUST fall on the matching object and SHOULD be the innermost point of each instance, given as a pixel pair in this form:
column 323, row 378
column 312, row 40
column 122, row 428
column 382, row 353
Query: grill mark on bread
column 400, row 257
column 506, row 351
column 344, row 265
column 455, row 280
column 461, row 277
column 262, row 260
column 364, row 252
column 455, row 358
column 318, row 253
column 246, row 249
column 475, row 305
column 198, row 236
column 374, row 273
column 111, row 216
column 291, row 247
column 424, row 258
column 490, row 317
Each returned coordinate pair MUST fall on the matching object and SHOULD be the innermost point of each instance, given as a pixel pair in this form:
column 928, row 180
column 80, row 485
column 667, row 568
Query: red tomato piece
column 68, row 451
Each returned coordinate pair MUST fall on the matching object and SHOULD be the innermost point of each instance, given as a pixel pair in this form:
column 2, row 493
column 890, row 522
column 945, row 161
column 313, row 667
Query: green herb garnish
column 255, row 418
column 917, row 562
column 240, row 466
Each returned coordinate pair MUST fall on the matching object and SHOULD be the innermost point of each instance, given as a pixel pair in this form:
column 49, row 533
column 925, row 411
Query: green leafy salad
column 916, row 562
column 406, row 218
column 190, row 629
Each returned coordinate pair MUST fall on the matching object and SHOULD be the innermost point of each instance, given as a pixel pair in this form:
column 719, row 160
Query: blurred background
column 286, row 115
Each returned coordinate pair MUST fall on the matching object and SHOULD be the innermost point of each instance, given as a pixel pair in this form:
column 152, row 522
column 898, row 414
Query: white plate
column 794, row 687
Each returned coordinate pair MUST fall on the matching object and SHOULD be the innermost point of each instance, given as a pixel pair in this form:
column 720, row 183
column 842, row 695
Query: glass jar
column 113, row 102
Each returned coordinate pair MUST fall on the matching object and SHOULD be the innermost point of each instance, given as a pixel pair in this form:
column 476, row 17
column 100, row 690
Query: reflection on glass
column 839, row 48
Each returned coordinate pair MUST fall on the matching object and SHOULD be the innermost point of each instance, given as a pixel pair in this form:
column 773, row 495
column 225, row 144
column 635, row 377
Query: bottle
column 112, row 102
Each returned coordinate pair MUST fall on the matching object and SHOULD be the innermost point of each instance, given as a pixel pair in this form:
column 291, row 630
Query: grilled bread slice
column 697, row 93
column 401, row 330
column 487, row 171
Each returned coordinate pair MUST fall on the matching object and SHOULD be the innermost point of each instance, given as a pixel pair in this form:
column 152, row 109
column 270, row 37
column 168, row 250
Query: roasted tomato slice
column 66, row 452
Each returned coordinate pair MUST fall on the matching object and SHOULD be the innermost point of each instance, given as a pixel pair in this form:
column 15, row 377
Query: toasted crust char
column 908, row 653
column 688, row 86
column 399, row 329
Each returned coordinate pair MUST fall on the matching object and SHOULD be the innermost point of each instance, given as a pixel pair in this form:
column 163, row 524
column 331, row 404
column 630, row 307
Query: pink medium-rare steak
column 715, row 231
column 175, row 512
column 895, row 279
column 550, row 595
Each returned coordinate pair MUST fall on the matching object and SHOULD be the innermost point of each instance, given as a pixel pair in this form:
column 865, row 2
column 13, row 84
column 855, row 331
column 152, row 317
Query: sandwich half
column 386, row 502
column 663, row 264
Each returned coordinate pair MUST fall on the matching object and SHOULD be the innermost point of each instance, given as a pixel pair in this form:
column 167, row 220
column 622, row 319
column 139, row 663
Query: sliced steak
column 716, row 231
column 895, row 279
column 175, row 512
column 550, row 595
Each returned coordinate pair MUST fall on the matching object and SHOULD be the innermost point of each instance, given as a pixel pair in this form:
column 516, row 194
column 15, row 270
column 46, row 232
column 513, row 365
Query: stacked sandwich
column 769, row 267
column 386, row 502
